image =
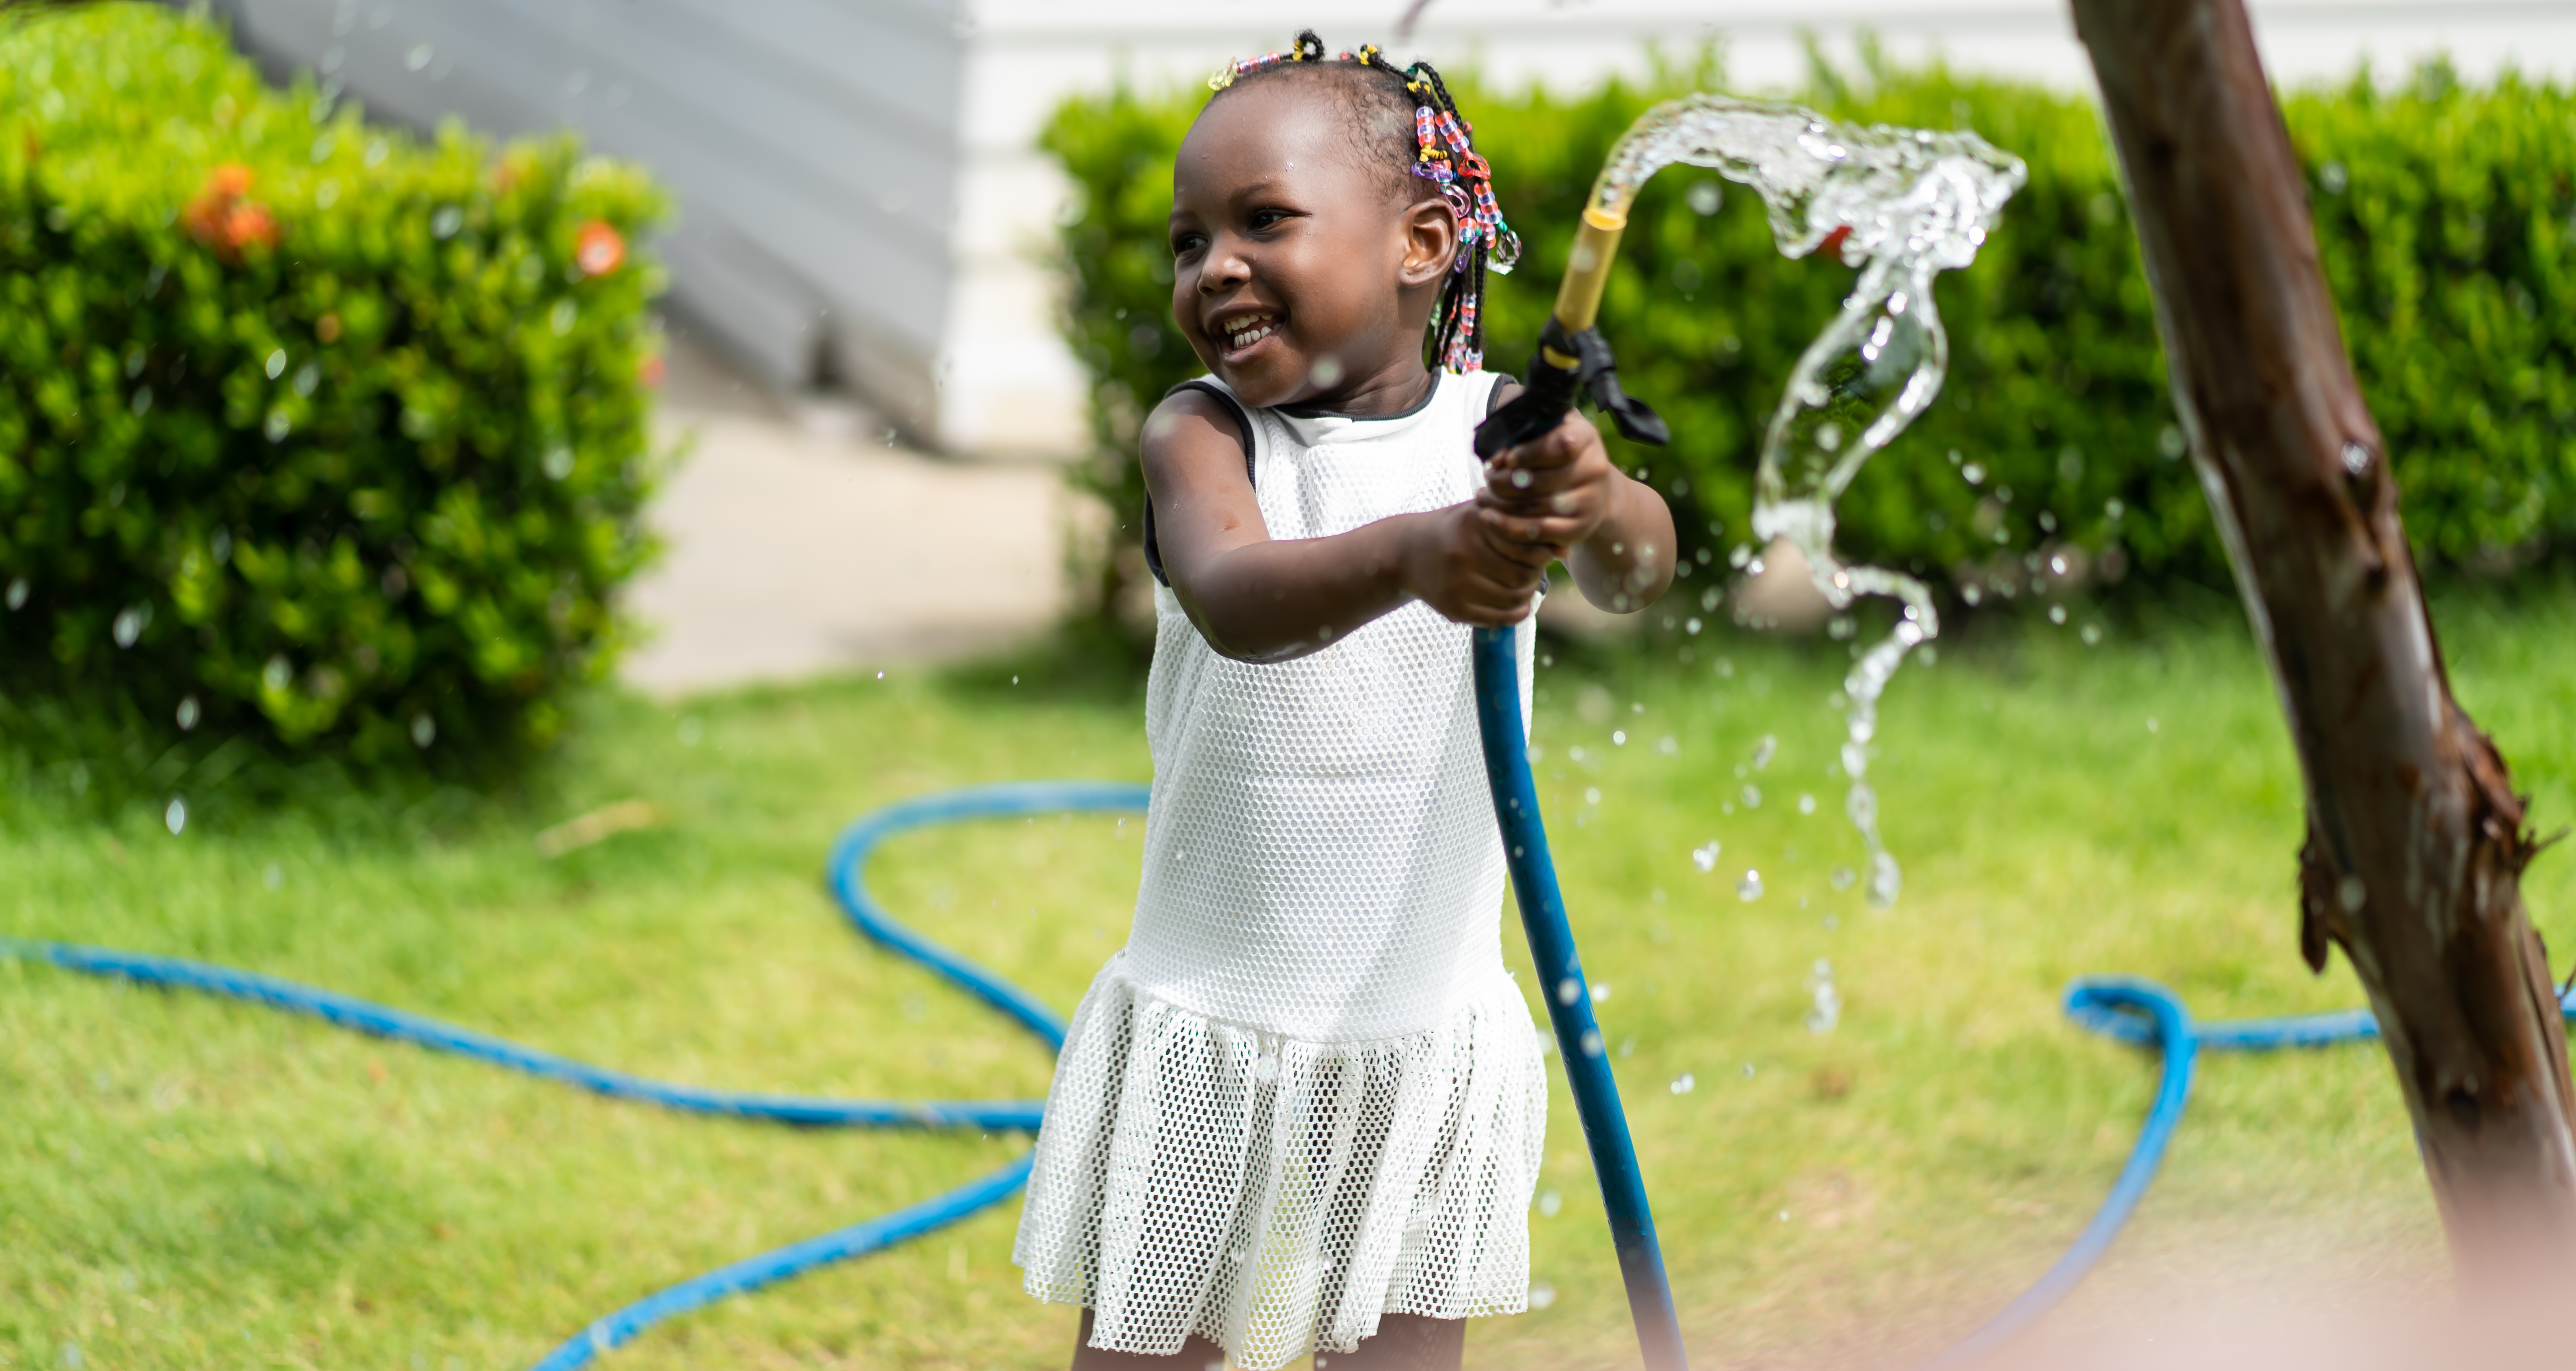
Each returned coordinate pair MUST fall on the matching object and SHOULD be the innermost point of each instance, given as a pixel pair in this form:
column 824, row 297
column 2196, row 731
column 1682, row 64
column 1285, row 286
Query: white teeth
column 1252, row 328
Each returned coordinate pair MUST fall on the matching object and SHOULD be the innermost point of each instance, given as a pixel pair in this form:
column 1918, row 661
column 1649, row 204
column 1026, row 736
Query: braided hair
column 1439, row 152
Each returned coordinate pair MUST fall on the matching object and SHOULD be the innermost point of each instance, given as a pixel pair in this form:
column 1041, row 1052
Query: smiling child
column 1303, row 1107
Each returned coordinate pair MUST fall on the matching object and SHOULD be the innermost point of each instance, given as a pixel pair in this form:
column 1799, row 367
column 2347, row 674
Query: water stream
column 1903, row 205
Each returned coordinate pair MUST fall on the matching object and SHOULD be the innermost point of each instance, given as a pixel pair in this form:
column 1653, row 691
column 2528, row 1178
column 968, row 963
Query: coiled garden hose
column 2129, row 1010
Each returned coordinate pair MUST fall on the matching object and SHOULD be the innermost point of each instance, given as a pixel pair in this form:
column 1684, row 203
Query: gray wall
column 810, row 146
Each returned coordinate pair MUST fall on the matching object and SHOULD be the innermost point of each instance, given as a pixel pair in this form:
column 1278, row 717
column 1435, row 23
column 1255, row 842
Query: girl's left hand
column 1554, row 490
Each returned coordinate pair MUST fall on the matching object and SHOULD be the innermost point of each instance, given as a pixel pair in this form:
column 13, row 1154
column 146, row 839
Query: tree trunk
column 2416, row 842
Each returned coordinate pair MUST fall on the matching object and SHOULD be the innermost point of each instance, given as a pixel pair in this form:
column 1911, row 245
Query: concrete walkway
column 800, row 544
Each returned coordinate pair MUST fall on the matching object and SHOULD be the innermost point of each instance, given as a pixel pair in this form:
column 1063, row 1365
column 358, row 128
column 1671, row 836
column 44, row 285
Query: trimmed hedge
column 312, row 433
column 2446, row 217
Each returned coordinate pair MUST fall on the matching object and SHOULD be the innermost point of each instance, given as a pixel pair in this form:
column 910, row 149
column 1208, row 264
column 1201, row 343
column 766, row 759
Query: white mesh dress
column 1306, row 1092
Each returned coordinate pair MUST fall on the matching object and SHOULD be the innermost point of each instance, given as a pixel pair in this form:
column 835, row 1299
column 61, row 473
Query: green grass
column 186, row 1183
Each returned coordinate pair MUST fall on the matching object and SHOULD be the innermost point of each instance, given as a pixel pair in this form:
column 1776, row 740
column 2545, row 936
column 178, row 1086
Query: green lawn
column 185, row 1183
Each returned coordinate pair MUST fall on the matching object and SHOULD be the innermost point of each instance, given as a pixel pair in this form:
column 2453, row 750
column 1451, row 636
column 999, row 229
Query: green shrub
column 312, row 434
column 2444, row 216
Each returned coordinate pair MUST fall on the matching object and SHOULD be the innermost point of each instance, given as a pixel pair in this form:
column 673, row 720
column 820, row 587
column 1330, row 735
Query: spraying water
column 1903, row 205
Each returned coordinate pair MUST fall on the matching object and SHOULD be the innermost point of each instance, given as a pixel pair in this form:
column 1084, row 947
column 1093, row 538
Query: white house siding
column 859, row 181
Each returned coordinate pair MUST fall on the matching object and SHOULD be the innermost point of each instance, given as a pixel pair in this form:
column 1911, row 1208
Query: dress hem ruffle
column 1273, row 1193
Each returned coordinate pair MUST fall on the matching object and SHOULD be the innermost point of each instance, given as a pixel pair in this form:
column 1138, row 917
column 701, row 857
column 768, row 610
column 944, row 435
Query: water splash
column 1903, row 205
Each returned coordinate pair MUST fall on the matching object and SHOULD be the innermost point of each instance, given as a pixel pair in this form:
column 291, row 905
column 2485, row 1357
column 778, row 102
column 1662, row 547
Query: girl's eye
column 1186, row 244
column 1267, row 218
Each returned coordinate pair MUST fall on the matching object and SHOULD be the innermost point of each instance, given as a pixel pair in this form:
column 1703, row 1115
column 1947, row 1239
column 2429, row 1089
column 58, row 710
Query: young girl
column 1303, row 1106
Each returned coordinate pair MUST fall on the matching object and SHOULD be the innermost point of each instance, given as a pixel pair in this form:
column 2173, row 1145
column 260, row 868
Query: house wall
column 859, row 187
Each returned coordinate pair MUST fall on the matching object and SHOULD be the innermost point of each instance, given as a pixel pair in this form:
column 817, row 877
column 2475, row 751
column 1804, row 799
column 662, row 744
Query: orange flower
column 599, row 249
column 249, row 222
column 222, row 219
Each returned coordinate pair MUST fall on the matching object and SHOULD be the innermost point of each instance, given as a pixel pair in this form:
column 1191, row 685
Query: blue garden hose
column 1569, row 1001
column 2134, row 1011
column 847, row 876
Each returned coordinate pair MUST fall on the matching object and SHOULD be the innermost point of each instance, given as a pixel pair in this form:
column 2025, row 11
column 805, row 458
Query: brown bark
column 2415, row 840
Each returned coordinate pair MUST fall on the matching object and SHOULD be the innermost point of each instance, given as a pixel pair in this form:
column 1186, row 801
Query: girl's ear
column 1430, row 243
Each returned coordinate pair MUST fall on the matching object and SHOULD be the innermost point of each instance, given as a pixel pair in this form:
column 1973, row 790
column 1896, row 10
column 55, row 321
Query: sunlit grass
column 185, row 1183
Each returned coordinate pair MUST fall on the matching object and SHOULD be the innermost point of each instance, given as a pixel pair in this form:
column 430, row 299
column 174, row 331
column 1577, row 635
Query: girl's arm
column 1257, row 599
column 1561, row 494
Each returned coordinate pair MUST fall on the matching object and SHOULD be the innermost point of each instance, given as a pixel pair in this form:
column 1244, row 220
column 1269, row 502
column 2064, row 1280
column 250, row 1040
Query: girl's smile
column 1243, row 330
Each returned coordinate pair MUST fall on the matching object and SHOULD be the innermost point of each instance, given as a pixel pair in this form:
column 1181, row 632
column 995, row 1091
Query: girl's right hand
column 1457, row 562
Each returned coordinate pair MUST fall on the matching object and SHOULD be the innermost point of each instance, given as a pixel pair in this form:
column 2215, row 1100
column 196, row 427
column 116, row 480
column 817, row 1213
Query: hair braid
column 1445, row 155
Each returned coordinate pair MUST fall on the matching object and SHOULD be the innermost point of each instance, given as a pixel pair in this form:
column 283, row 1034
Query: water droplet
column 2057, row 614
column 690, row 731
column 2351, row 894
column 1326, row 373
column 1762, row 751
column 557, row 463
column 1541, row 1295
column 1826, row 1008
column 1885, row 880
column 1549, row 1202
column 1592, row 1042
column 1569, row 990
column 562, row 317
column 1843, row 877
column 130, row 623
column 277, row 364
column 1974, row 473
column 1705, row 857
column 424, row 730
column 445, row 223
column 1684, row 1084
column 1668, row 746
column 2332, row 177
column 1749, row 889
column 1265, row 1068
column 274, row 877
column 2091, row 634
column 1600, row 992
column 1705, row 196
column 187, row 715
column 1592, row 795
column 1748, row 1071
column 2171, row 444
column 175, row 817
column 2356, row 458
column 280, row 423
column 1806, row 804
column 1618, row 737
column 17, row 598
column 2151, row 723
column 1752, row 797
column 418, row 56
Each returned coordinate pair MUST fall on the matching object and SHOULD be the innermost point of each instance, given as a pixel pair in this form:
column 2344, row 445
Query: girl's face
column 1299, row 275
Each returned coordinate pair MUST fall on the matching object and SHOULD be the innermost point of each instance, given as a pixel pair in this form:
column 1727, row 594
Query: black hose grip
column 1564, row 368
